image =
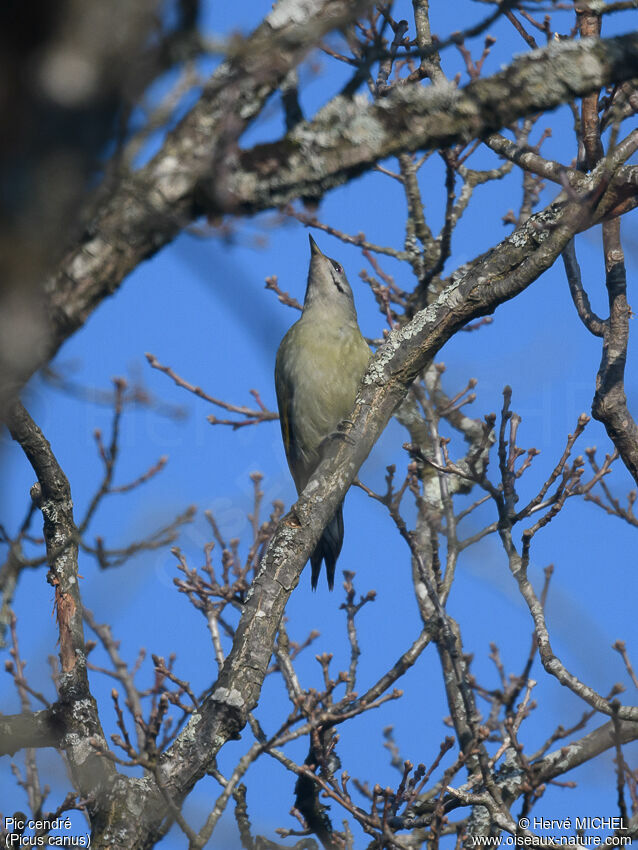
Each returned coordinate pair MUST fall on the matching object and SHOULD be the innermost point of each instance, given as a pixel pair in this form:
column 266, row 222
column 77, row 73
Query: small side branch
column 252, row 416
column 592, row 322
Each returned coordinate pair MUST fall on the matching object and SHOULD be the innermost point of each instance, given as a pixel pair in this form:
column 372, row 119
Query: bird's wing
column 284, row 386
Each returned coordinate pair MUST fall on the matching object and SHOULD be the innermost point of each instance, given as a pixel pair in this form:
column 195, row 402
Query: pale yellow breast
column 324, row 366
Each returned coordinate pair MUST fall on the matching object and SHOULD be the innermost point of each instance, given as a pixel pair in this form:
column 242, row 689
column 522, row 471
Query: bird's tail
column 327, row 549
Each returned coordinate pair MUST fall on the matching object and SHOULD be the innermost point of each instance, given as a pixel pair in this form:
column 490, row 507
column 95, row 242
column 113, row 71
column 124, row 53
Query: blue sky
column 201, row 307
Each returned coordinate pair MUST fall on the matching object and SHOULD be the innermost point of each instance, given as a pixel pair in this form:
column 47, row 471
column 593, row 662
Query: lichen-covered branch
column 320, row 154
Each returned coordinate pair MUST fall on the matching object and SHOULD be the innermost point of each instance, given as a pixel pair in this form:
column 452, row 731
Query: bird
column 320, row 363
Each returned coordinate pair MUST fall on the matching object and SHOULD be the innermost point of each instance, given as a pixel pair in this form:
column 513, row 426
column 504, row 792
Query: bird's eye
column 336, row 267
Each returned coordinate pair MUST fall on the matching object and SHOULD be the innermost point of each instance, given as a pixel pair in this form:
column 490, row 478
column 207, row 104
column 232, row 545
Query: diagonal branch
column 570, row 756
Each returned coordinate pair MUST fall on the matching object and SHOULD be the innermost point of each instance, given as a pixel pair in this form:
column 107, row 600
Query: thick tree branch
column 52, row 495
column 584, row 749
column 65, row 79
column 36, row 729
column 610, row 402
column 320, row 155
column 76, row 710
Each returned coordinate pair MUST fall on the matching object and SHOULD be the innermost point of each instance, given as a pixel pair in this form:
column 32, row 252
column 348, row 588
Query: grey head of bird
column 328, row 286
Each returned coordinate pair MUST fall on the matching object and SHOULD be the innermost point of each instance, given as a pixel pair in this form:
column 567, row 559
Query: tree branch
column 319, row 155
column 571, row 755
column 76, row 710
column 36, row 729
column 594, row 324
column 610, row 402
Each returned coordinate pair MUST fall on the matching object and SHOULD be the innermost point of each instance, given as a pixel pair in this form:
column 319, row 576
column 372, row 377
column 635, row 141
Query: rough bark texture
column 74, row 718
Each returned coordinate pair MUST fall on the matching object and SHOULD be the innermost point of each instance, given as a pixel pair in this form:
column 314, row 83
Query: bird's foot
column 339, row 434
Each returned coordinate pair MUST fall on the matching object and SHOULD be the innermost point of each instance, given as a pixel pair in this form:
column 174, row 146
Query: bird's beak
column 314, row 248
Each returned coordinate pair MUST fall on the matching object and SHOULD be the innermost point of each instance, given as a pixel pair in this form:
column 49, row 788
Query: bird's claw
column 339, row 434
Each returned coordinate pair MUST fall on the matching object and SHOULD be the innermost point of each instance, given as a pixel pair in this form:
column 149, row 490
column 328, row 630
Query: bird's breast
column 328, row 365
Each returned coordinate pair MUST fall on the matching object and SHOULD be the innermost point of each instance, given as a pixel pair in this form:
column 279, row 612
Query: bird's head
column 327, row 282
